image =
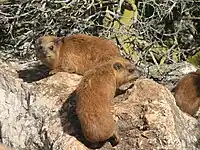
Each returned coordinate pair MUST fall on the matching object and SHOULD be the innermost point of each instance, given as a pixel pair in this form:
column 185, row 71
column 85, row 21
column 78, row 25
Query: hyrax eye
column 51, row 48
column 117, row 66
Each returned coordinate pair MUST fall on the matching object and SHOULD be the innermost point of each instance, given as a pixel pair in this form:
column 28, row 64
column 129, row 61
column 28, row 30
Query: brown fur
column 187, row 93
column 2, row 147
column 76, row 53
column 94, row 98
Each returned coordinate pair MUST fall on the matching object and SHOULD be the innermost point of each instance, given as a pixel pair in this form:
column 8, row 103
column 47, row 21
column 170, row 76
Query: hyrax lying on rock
column 94, row 98
column 187, row 93
column 75, row 53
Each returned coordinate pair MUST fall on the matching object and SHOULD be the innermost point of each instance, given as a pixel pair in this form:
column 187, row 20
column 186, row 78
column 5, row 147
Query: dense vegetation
column 154, row 31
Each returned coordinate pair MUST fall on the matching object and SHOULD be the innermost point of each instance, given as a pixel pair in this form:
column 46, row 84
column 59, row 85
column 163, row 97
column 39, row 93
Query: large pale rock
column 150, row 119
column 40, row 115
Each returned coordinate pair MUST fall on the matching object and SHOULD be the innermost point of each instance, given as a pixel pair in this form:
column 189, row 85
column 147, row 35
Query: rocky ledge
column 40, row 115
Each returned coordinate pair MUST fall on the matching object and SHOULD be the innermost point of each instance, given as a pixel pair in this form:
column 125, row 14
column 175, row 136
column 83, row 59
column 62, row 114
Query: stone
column 40, row 115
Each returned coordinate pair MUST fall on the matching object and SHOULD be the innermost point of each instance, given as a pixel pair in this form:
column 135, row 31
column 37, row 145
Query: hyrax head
column 46, row 49
column 124, row 70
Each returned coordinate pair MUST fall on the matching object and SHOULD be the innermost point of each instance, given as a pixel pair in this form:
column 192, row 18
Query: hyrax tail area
column 75, row 53
column 94, row 98
column 187, row 93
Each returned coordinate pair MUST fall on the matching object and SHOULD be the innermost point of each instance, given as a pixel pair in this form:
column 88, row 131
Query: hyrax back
column 187, row 93
column 94, row 98
column 75, row 53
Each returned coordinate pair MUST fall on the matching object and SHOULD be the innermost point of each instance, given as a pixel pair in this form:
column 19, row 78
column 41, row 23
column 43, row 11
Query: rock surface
column 40, row 115
column 166, row 74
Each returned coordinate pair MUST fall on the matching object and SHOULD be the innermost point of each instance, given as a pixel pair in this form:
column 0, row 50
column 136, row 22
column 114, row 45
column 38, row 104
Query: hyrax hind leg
column 114, row 140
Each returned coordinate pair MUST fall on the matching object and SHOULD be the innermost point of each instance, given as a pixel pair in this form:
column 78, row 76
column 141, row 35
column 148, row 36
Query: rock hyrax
column 75, row 53
column 187, row 93
column 94, row 98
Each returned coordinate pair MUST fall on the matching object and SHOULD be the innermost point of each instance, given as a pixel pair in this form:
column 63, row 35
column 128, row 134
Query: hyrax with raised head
column 187, row 93
column 75, row 53
column 94, row 98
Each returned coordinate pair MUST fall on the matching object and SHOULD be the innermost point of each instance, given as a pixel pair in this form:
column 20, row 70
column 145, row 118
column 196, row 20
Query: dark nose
column 131, row 67
column 38, row 44
column 131, row 70
column 138, row 73
column 38, row 41
column 40, row 52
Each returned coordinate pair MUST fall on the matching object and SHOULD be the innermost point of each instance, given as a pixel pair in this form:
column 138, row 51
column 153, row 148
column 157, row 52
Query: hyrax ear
column 117, row 66
column 59, row 41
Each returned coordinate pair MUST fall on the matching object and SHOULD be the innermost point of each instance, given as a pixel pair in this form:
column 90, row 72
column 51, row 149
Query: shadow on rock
column 71, row 124
column 34, row 74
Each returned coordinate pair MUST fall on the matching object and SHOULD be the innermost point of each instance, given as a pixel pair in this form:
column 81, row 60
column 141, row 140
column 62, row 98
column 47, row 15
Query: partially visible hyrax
column 2, row 147
column 75, row 53
column 187, row 93
column 94, row 98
